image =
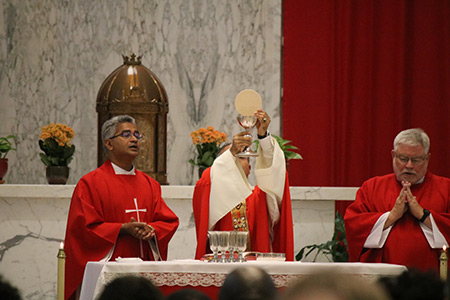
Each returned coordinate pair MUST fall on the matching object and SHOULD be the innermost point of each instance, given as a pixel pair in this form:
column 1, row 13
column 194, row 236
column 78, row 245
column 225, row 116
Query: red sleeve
column 440, row 209
column 359, row 221
column 200, row 205
column 85, row 223
column 284, row 229
column 164, row 221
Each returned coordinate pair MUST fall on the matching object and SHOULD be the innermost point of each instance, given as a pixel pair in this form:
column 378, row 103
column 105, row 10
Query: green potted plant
column 336, row 247
column 5, row 147
column 207, row 142
column 286, row 147
column 58, row 151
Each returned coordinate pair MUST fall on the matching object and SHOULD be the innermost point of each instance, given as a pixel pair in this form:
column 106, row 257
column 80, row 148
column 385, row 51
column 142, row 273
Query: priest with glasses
column 404, row 217
column 116, row 210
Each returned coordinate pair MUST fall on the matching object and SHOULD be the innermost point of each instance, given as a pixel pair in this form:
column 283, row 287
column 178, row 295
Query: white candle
column 443, row 259
column 61, row 269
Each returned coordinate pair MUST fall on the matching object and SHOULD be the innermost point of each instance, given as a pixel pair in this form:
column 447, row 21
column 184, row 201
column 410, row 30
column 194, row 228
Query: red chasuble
column 406, row 243
column 101, row 202
column 257, row 217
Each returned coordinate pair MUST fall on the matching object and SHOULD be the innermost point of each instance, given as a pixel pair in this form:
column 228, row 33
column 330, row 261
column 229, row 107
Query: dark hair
column 131, row 288
column 188, row 294
column 414, row 284
column 248, row 283
column 7, row 291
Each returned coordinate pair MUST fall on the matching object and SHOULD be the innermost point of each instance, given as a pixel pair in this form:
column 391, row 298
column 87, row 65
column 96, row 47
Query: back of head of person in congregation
column 414, row 284
column 131, row 288
column 188, row 294
column 8, row 291
column 334, row 286
column 248, row 283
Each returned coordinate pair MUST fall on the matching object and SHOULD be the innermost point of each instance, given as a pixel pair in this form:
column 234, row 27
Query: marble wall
column 54, row 55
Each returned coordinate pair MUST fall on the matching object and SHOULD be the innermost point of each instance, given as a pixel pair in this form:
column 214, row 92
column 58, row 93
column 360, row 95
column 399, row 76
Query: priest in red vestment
column 225, row 201
column 402, row 218
column 116, row 210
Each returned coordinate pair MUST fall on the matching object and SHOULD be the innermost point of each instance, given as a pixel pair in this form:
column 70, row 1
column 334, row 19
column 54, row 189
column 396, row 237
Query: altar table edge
column 201, row 274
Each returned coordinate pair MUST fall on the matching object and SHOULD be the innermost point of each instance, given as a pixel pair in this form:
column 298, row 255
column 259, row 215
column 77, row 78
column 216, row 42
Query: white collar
column 421, row 180
column 119, row 171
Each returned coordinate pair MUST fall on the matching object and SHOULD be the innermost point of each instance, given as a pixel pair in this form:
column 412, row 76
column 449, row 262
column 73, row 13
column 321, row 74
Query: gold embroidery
column 239, row 218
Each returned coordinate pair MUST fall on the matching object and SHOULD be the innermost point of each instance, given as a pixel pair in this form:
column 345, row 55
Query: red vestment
column 97, row 211
column 257, row 218
column 406, row 243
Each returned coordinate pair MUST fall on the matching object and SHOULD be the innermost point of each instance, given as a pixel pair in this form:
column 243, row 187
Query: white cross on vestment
column 137, row 210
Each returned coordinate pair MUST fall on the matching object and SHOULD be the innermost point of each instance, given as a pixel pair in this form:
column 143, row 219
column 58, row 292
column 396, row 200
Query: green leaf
column 54, row 154
column 209, row 161
column 284, row 145
column 336, row 247
column 290, row 147
column 292, row 155
column 6, row 145
column 45, row 159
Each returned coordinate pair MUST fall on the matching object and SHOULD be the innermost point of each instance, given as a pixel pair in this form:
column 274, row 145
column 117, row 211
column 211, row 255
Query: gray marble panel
column 55, row 54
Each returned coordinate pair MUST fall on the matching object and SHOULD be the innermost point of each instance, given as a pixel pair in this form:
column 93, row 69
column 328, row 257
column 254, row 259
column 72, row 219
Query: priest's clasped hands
column 406, row 201
column 139, row 230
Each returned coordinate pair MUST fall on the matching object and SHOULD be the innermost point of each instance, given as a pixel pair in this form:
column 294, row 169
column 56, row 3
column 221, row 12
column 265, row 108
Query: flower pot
column 3, row 168
column 57, row 174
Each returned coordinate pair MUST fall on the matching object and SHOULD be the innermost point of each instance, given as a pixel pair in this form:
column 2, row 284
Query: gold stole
column 240, row 223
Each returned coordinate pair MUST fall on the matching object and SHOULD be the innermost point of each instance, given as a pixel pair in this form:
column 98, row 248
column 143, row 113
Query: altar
column 33, row 221
column 170, row 276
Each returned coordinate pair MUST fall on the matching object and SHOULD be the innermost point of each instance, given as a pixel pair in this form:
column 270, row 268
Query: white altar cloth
column 197, row 273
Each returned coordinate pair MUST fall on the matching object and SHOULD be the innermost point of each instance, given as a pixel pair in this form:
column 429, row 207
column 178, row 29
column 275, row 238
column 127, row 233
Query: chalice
column 247, row 102
column 214, row 245
column 241, row 244
column 247, row 122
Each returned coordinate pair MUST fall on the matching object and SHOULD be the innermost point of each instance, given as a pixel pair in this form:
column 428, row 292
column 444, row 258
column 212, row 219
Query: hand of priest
column 399, row 209
column 263, row 122
column 139, row 230
column 240, row 141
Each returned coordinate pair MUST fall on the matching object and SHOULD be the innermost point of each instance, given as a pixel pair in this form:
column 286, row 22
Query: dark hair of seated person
column 8, row 291
column 130, row 288
column 188, row 294
column 248, row 283
column 414, row 285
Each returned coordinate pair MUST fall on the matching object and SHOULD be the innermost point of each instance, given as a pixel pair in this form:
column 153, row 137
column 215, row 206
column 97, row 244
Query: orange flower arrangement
column 207, row 142
column 55, row 142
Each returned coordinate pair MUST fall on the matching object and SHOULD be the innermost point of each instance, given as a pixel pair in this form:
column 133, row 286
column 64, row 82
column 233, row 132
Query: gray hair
column 110, row 127
column 413, row 137
column 223, row 148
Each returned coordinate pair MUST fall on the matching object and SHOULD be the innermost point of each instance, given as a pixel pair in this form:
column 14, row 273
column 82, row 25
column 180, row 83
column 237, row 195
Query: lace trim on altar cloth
column 208, row 279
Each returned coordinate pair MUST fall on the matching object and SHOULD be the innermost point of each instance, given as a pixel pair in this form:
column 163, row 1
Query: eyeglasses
column 127, row 134
column 414, row 160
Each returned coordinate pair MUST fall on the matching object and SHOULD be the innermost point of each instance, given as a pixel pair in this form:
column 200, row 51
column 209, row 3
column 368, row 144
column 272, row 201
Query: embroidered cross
column 137, row 211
